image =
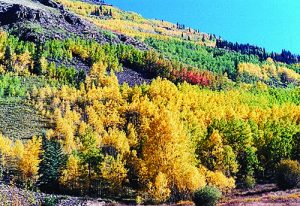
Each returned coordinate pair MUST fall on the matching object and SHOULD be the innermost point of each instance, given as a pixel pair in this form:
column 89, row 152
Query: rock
column 39, row 20
column 132, row 41
column 132, row 77
column 50, row 3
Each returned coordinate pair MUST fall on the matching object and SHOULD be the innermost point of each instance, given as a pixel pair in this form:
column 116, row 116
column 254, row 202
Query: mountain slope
column 39, row 21
column 189, row 114
column 134, row 25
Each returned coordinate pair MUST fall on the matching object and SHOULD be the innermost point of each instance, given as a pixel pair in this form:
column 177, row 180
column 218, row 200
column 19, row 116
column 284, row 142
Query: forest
column 211, row 120
column 285, row 56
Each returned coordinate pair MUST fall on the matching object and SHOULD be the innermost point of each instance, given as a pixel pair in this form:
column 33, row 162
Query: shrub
column 207, row 196
column 288, row 174
column 50, row 201
column 139, row 200
column 249, row 182
column 219, row 180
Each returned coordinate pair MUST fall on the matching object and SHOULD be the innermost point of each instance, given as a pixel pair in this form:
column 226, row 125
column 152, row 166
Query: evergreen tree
column 8, row 55
column 37, row 68
column 53, row 161
column 101, row 9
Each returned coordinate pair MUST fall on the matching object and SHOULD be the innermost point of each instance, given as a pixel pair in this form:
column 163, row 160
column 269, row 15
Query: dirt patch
column 262, row 195
column 132, row 77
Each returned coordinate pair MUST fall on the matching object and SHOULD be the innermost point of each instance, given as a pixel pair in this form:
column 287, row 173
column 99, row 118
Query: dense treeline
column 23, row 58
column 285, row 56
column 239, row 67
column 205, row 58
column 164, row 141
column 148, row 62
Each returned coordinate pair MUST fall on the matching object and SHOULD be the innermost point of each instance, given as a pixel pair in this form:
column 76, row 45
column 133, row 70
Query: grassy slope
column 19, row 121
column 135, row 25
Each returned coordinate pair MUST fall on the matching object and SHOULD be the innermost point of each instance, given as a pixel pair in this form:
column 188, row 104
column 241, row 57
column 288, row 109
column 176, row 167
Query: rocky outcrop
column 132, row 41
column 132, row 77
column 46, row 20
column 39, row 20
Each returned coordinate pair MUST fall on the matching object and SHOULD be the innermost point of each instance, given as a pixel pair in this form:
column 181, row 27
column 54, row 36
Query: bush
column 50, row 201
column 249, row 182
column 220, row 181
column 207, row 196
column 288, row 174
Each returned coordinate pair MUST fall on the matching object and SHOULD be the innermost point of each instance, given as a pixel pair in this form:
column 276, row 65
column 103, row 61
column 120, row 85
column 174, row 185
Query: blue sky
column 273, row 24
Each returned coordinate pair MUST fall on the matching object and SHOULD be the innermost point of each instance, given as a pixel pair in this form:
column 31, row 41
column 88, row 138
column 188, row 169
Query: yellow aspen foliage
column 161, row 133
column 114, row 172
column 219, row 180
column 159, row 191
column 219, row 156
column 5, row 145
column 192, row 180
column 82, row 129
column 98, row 70
column 117, row 139
column 167, row 149
column 29, row 162
column 3, row 39
column 251, row 69
column 131, row 135
column 44, row 65
column 94, row 120
column 270, row 60
column 270, row 69
column 50, row 133
column 71, row 174
column 23, row 61
column 11, row 154
column 66, row 126
column 288, row 75
column 2, row 69
column 18, row 149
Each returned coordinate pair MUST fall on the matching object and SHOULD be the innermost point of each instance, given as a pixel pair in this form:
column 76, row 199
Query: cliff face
column 39, row 20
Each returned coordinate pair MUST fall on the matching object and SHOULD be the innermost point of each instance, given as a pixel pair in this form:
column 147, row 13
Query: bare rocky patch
column 132, row 77
column 262, row 195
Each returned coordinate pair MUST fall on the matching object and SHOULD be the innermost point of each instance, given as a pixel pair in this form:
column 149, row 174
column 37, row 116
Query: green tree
column 8, row 55
column 53, row 161
column 90, row 156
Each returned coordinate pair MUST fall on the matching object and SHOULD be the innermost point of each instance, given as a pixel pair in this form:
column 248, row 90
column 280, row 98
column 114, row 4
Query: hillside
column 103, row 103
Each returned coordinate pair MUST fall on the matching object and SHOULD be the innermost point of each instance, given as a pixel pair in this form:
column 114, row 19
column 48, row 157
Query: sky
column 273, row 24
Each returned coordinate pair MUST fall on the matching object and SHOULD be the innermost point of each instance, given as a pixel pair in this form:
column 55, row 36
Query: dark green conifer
column 53, row 161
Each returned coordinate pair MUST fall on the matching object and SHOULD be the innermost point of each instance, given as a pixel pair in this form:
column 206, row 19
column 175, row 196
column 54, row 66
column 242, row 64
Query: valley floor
column 263, row 195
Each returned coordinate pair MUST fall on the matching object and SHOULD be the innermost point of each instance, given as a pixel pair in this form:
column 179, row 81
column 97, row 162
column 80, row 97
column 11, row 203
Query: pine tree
column 8, row 55
column 53, row 161
column 37, row 69
column 101, row 9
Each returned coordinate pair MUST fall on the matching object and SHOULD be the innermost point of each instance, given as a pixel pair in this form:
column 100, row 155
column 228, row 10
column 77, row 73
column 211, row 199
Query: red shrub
column 202, row 78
